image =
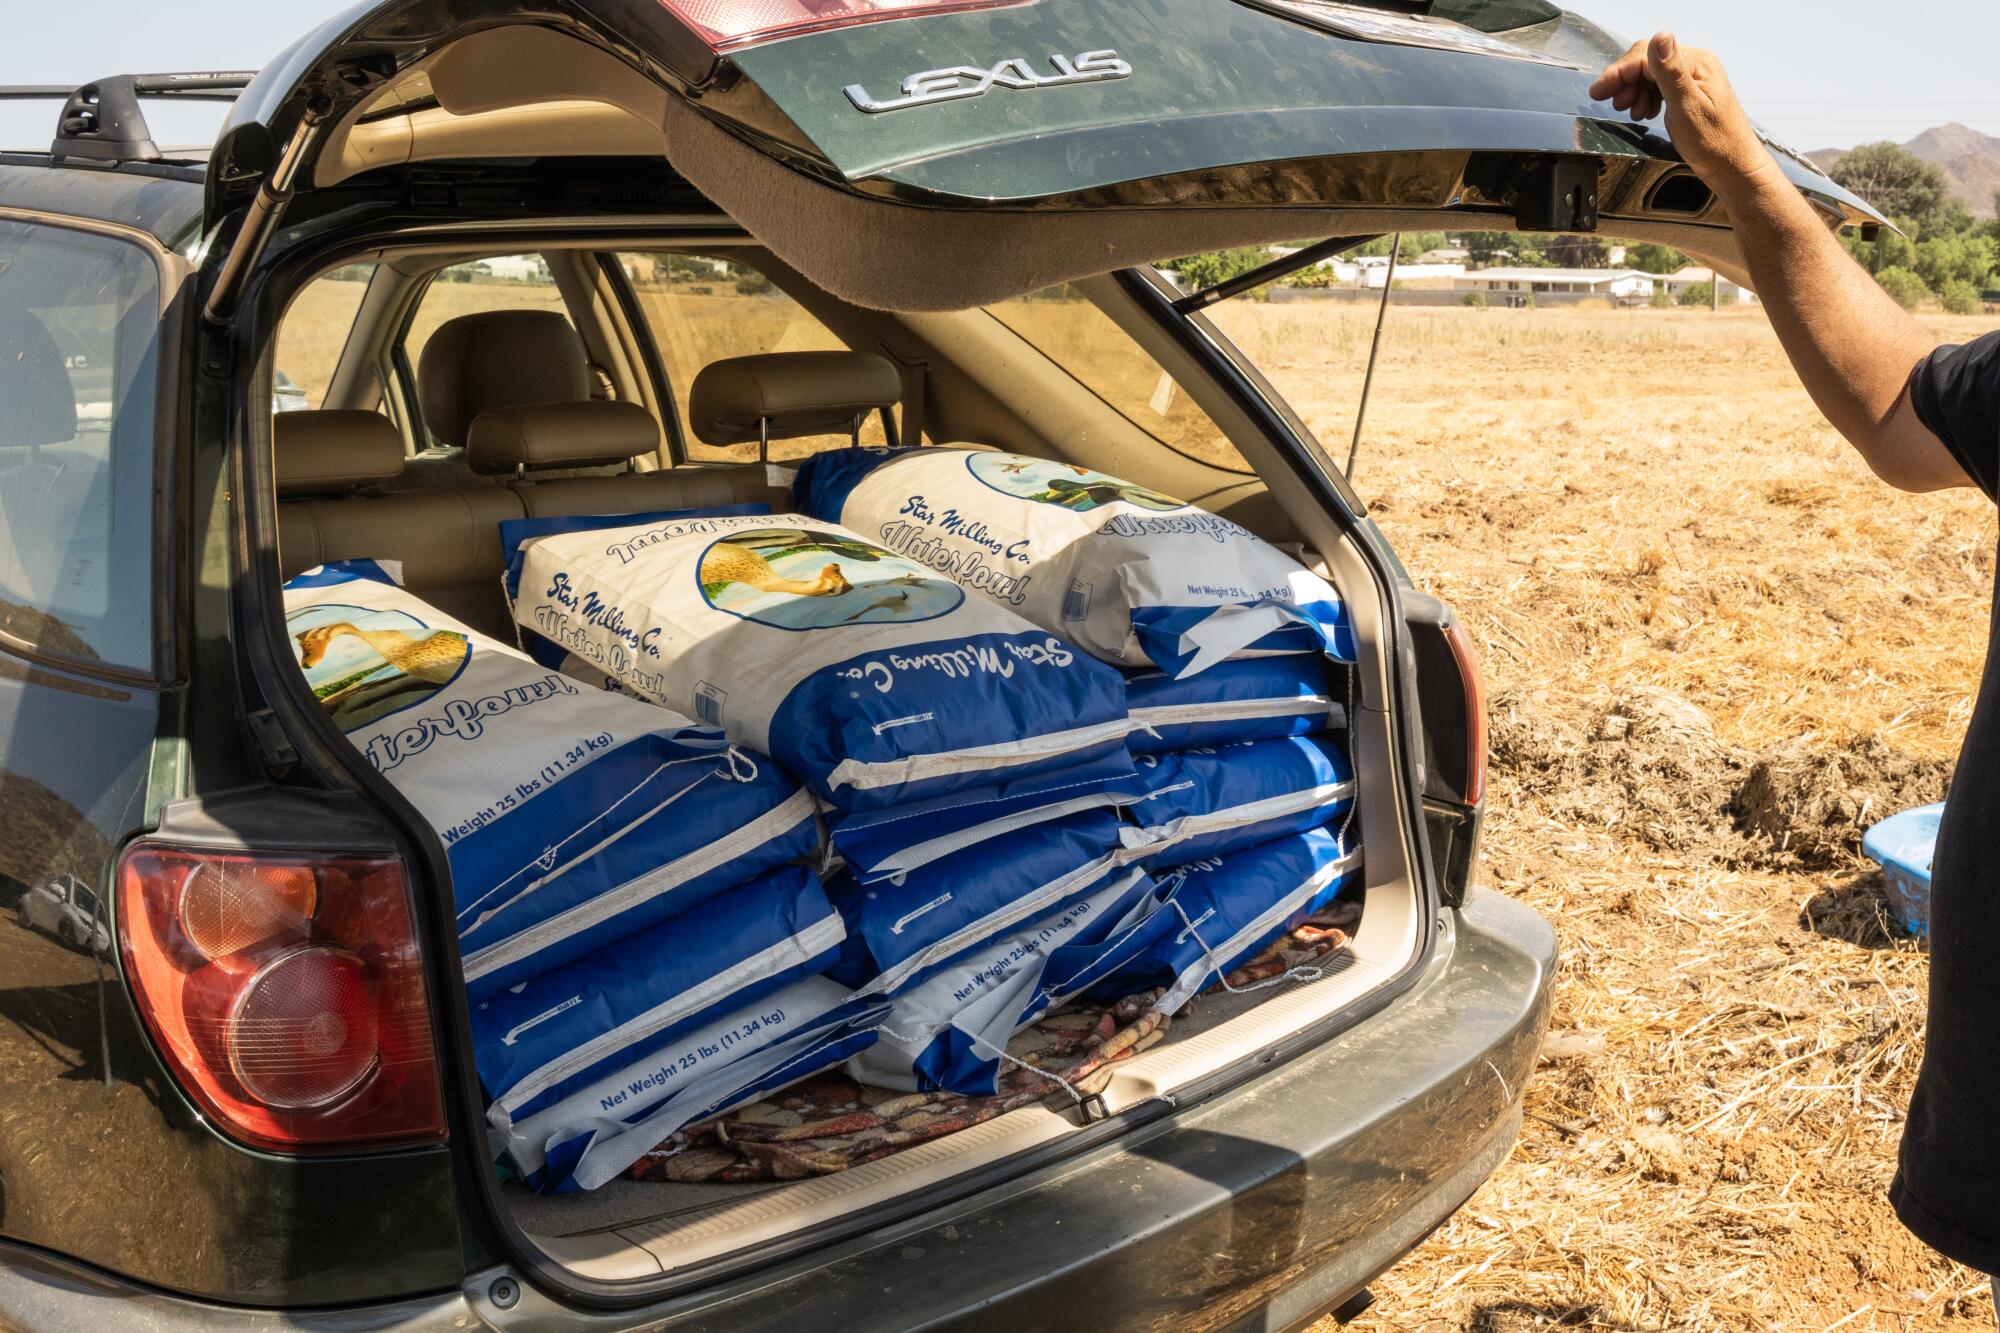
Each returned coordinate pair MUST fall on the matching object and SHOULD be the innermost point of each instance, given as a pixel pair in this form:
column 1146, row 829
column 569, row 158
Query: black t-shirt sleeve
column 1956, row 392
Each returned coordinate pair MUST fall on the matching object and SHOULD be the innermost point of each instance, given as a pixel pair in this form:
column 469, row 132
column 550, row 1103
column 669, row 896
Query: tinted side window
column 79, row 329
column 701, row 309
column 314, row 334
column 1063, row 325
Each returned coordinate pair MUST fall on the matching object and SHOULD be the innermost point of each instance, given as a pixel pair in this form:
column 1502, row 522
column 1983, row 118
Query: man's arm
column 1852, row 345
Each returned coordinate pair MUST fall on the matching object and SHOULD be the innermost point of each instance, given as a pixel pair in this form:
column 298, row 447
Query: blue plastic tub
column 1903, row 845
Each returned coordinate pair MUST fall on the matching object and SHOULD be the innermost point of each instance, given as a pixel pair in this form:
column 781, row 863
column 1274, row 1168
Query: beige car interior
column 552, row 413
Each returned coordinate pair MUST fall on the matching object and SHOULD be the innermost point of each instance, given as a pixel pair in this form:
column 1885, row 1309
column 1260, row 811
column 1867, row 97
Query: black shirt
column 1948, row 1188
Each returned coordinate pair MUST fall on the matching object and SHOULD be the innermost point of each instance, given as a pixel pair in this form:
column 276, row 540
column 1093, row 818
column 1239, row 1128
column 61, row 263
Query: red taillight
column 1475, row 710
column 285, row 993
column 725, row 24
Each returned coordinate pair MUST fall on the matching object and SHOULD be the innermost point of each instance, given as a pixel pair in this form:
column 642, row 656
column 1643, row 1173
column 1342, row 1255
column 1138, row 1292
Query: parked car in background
column 977, row 193
column 68, row 909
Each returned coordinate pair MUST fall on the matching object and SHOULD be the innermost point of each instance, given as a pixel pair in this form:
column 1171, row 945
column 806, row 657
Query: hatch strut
column 1374, row 350
column 266, row 210
column 1271, row 272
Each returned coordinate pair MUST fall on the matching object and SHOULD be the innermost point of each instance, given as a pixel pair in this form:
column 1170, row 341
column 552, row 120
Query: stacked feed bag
column 1128, row 574
column 570, row 818
column 1258, row 699
column 1213, row 916
column 590, row 1065
column 958, row 946
column 1204, row 802
column 623, row 877
column 910, row 708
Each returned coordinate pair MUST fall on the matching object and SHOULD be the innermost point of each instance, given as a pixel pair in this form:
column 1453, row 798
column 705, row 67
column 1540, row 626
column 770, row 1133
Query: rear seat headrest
column 498, row 358
column 589, row 434
column 789, row 394
column 329, row 452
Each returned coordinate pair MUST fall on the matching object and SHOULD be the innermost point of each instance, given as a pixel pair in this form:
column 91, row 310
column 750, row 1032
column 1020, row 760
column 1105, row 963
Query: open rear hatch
column 1051, row 138
column 1032, row 143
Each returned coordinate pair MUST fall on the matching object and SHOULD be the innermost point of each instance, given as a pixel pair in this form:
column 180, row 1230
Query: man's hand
column 1704, row 119
column 1853, row 346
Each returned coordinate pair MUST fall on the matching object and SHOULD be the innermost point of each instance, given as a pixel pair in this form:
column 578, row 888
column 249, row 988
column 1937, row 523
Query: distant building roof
column 1590, row 275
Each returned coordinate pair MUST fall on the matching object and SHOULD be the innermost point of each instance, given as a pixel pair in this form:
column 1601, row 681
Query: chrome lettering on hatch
column 956, row 81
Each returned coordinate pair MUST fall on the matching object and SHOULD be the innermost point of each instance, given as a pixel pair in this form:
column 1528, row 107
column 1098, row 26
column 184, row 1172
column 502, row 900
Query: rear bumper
column 1258, row 1208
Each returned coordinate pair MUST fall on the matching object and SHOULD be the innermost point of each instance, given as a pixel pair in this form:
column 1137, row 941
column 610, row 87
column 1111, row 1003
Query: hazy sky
column 1826, row 73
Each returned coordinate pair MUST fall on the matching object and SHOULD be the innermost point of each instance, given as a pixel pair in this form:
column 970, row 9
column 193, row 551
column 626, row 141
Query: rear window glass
column 314, row 334
column 706, row 308
column 79, row 329
column 1067, row 328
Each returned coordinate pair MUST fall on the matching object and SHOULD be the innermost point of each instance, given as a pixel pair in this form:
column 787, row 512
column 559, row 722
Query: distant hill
column 1971, row 162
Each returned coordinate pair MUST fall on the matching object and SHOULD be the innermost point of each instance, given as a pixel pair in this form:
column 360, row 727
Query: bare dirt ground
column 1717, row 649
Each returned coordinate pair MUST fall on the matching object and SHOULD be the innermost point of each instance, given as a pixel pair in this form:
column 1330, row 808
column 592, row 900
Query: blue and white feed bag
column 949, row 1031
column 1135, row 577
column 1218, row 914
column 517, row 533
column 702, row 1071
column 571, row 1038
column 1256, row 699
column 1205, row 802
column 901, row 931
column 873, row 679
column 570, row 817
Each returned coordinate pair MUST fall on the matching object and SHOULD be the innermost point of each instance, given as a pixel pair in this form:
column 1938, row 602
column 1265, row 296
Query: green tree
column 1662, row 299
column 1904, row 287
column 1650, row 258
column 1960, row 298
column 1205, row 270
column 1486, row 247
column 1696, row 293
column 1901, row 185
column 1567, row 251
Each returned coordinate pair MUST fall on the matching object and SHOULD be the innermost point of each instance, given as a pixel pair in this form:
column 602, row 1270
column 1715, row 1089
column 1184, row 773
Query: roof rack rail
column 101, row 121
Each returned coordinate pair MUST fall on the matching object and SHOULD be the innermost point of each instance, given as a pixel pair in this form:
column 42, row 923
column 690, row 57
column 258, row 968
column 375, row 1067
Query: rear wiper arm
column 1271, row 272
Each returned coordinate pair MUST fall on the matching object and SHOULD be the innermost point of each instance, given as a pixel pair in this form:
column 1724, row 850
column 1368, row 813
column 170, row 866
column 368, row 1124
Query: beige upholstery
column 586, row 434
column 326, row 453
column 788, row 394
column 448, row 540
column 497, row 359
column 638, row 492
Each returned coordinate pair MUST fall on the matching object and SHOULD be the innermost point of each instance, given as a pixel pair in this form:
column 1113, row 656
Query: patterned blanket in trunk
column 830, row 1123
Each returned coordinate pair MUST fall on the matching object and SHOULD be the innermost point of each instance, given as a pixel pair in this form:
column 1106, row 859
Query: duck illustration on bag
column 1065, row 485
column 807, row 579
column 727, row 562
column 435, row 658
column 390, row 666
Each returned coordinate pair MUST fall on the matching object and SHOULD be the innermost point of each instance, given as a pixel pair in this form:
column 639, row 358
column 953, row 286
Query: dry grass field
column 1717, row 648
column 1698, row 611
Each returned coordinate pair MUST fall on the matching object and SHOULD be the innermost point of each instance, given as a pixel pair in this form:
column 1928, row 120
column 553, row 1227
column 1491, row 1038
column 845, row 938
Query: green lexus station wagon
column 221, row 367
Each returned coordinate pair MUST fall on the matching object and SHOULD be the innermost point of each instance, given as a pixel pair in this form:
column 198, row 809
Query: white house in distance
column 1513, row 286
column 1729, row 293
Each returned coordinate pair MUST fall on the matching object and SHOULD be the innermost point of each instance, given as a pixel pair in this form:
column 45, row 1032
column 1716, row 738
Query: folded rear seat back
column 330, row 469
